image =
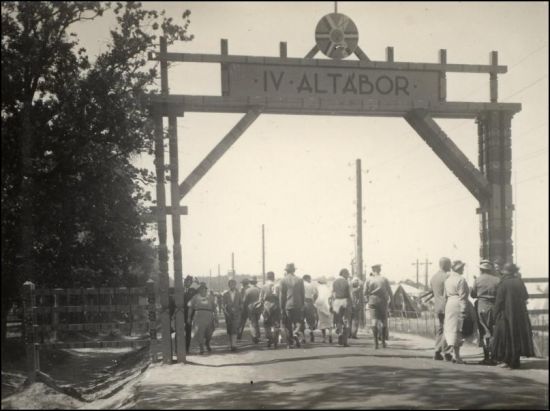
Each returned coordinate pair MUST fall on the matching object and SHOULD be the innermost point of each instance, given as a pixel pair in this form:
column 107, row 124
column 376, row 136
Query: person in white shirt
column 310, row 312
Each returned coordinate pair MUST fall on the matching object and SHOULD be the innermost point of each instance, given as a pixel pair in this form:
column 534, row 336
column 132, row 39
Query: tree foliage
column 70, row 130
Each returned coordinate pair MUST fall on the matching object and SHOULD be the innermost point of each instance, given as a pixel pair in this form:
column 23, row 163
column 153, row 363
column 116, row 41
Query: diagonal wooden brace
column 449, row 153
column 217, row 152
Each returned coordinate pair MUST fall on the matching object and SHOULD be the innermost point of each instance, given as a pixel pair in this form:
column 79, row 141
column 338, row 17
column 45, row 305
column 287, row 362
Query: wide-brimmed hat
column 290, row 268
column 375, row 266
column 486, row 265
column 245, row 281
column 253, row 280
column 202, row 284
column 457, row 265
column 509, row 268
column 188, row 279
column 344, row 271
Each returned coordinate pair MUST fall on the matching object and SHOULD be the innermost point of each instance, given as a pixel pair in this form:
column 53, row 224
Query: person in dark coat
column 485, row 290
column 291, row 299
column 188, row 294
column 245, row 284
column 513, row 336
column 232, row 304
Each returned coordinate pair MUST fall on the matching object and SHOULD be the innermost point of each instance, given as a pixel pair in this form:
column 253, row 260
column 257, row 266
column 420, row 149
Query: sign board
column 276, row 81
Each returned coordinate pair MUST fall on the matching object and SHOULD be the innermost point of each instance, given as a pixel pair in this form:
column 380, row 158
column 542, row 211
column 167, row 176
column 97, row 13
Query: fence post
column 152, row 307
column 55, row 313
column 29, row 318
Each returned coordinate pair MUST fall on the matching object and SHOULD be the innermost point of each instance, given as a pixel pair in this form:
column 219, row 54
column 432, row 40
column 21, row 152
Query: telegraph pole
column 359, row 223
column 417, row 266
column 263, row 253
column 426, row 263
column 233, row 264
column 219, row 279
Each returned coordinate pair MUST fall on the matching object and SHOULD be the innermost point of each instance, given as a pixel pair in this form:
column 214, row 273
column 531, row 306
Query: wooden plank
column 309, row 61
column 334, row 107
column 540, row 327
column 217, row 152
column 535, row 280
column 538, row 296
column 538, row 312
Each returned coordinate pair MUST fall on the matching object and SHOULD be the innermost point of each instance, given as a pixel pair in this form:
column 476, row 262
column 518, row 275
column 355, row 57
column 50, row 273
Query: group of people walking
column 499, row 314
column 293, row 305
column 289, row 307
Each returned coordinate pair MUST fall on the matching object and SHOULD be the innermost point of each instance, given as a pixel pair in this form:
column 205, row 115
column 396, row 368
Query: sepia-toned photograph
column 275, row 205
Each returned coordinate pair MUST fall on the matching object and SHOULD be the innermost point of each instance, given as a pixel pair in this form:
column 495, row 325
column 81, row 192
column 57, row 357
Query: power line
column 526, row 87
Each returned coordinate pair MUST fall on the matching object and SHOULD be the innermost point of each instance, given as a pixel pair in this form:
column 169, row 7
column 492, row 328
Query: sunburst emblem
column 336, row 36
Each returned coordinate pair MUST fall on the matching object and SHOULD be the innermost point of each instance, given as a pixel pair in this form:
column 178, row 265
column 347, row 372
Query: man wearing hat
column 269, row 301
column 291, row 298
column 341, row 306
column 437, row 284
column 378, row 295
column 485, row 290
column 252, row 311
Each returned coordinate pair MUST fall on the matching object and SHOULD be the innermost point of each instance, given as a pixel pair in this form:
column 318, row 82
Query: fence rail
column 47, row 311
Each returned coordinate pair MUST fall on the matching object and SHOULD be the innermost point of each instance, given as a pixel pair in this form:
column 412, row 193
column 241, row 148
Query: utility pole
column 233, row 264
column 210, row 280
column 426, row 263
column 263, row 253
column 417, row 265
column 219, row 280
column 359, row 223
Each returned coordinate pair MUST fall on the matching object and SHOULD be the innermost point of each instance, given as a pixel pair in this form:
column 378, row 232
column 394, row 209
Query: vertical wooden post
column 152, row 309
column 497, row 210
column 55, row 312
column 282, row 49
column 389, row 54
column 179, row 315
column 224, row 71
column 442, row 76
column 29, row 318
column 494, row 78
column 359, row 221
column 161, row 217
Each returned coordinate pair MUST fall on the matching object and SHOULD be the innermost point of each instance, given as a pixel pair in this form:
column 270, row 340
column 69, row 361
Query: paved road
column 402, row 376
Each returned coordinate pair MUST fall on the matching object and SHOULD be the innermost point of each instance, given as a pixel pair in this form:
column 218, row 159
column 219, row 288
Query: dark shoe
column 330, row 339
column 448, row 357
column 438, row 356
column 298, row 345
column 233, row 349
column 208, row 348
column 346, row 345
column 384, row 344
column 311, row 337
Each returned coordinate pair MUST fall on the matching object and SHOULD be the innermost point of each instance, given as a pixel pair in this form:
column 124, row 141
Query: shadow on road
column 358, row 387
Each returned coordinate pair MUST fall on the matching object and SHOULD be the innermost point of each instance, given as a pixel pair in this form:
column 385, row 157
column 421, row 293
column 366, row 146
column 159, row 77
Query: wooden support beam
column 493, row 77
column 321, row 106
column 361, row 54
column 217, row 152
column 449, row 153
column 312, row 52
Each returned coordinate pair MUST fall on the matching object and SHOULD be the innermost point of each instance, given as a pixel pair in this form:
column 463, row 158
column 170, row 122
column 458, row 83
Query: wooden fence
column 47, row 313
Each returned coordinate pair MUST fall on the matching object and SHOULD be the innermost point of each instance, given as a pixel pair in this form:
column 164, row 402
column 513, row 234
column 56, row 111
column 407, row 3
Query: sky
column 296, row 174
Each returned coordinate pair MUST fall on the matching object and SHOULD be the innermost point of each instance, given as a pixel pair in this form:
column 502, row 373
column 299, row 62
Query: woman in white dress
column 456, row 293
column 323, row 309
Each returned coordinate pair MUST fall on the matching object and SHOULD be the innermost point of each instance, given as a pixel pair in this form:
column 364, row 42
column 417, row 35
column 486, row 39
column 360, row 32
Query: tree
column 71, row 196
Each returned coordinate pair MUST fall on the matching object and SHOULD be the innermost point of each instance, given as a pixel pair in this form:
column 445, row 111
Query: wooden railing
column 48, row 312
